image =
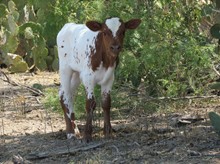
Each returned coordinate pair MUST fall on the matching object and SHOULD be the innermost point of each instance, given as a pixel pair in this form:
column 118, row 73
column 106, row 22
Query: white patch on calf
column 113, row 24
column 75, row 42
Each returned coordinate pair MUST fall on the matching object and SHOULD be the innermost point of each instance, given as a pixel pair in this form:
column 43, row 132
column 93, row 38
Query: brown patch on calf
column 95, row 58
column 101, row 54
column 73, row 120
column 65, row 109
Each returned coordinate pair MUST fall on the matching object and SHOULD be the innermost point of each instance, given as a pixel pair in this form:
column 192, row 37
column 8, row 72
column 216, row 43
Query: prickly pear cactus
column 52, row 60
column 16, row 63
column 33, row 33
column 13, row 18
column 23, row 31
column 55, row 64
column 2, row 36
column 215, row 121
column 28, row 33
column 9, row 29
column 215, row 86
column 35, row 27
column 3, row 12
column 39, row 54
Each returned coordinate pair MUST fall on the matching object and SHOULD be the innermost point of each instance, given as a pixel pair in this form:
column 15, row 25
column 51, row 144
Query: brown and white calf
column 89, row 54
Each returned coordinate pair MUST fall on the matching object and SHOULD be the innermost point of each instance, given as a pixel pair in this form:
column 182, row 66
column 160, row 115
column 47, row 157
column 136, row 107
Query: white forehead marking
column 113, row 24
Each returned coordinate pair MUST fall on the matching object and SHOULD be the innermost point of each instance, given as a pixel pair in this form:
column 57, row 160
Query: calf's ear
column 94, row 26
column 132, row 24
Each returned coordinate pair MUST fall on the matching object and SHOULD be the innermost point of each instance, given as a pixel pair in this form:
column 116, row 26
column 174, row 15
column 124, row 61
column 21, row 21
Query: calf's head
column 112, row 32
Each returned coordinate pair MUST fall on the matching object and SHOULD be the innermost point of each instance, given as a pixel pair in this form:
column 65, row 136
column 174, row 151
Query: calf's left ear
column 94, row 26
column 132, row 24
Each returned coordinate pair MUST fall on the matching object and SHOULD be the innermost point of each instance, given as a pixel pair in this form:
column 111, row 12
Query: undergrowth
column 124, row 98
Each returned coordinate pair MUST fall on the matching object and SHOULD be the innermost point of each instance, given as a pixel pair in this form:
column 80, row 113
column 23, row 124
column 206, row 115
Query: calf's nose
column 115, row 48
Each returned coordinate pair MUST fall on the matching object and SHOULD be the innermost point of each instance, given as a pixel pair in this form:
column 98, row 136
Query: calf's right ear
column 94, row 26
column 132, row 24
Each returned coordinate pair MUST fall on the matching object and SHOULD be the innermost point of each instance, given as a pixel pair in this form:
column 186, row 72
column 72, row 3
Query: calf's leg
column 69, row 83
column 90, row 107
column 88, row 82
column 106, row 105
column 70, row 125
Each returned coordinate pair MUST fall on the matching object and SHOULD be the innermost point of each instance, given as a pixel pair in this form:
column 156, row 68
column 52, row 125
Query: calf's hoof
column 70, row 136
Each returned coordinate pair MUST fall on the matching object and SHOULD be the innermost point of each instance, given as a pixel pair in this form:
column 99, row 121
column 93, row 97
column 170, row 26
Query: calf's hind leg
column 69, row 83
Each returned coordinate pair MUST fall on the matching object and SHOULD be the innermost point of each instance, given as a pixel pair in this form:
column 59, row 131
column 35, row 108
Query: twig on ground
column 38, row 100
column 218, row 11
column 8, row 80
column 4, row 96
column 115, row 148
column 3, row 130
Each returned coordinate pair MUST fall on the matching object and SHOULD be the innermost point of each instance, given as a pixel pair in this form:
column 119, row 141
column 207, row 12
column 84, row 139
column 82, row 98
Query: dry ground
column 31, row 134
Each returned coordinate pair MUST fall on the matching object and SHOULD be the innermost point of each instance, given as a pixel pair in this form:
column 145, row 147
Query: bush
column 169, row 53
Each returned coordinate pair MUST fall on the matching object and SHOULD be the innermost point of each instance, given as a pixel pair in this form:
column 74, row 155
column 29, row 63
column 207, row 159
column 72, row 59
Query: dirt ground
column 31, row 134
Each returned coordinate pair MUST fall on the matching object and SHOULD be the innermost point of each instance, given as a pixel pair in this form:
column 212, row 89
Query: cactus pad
column 215, row 121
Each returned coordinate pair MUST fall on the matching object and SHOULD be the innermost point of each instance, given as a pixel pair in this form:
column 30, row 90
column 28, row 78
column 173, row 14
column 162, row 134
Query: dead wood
column 216, row 71
column 63, row 151
column 33, row 90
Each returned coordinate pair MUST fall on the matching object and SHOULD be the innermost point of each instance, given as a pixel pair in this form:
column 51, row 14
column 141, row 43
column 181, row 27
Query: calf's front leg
column 90, row 107
column 88, row 82
column 106, row 105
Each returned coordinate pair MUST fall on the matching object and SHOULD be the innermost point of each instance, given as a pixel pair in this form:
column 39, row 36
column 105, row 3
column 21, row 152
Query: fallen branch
column 4, row 96
column 215, row 10
column 216, row 71
column 174, row 98
column 63, row 151
column 34, row 90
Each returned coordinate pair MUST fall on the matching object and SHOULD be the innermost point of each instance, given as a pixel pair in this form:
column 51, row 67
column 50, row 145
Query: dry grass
column 140, row 136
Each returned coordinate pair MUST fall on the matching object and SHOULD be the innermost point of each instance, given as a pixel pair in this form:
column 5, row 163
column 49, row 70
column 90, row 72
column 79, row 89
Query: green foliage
column 171, row 56
column 168, row 54
column 3, row 11
column 51, row 100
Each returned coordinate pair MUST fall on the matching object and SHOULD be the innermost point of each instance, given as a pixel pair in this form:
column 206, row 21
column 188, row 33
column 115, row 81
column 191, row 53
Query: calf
column 89, row 54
